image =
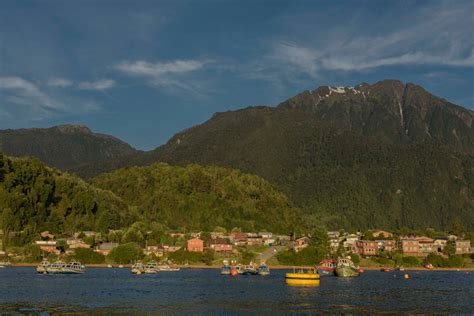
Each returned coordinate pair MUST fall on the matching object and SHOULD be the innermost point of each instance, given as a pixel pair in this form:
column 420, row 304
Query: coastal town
column 369, row 248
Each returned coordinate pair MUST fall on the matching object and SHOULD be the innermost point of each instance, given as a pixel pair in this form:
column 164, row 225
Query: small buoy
column 361, row 271
column 233, row 272
column 139, row 272
column 406, row 276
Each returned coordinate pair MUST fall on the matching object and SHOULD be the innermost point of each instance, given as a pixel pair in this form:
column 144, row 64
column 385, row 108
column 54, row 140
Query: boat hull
column 302, row 279
column 346, row 272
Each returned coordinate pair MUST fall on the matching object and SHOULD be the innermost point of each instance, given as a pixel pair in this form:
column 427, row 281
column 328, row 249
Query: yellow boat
column 303, row 278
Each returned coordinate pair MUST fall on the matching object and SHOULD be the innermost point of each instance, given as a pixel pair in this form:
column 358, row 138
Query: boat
column 167, row 268
column 56, row 267
column 386, row 269
column 326, row 267
column 73, row 267
column 237, row 269
column 138, row 268
column 151, row 268
column 428, row 266
column 250, row 269
column 263, row 269
column 43, row 266
column 226, row 270
column 302, row 277
column 4, row 264
column 346, row 268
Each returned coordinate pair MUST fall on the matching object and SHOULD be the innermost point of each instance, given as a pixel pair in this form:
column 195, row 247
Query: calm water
column 117, row 291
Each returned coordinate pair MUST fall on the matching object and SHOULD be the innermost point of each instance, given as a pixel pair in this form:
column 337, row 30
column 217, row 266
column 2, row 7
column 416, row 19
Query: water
column 204, row 292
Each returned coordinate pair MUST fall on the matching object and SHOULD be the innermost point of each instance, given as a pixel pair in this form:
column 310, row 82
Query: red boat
column 386, row 269
column 326, row 267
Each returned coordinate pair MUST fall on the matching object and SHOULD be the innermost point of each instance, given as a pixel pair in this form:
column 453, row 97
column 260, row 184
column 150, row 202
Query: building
column 426, row 245
column 154, row 250
column 382, row 234
column 265, row 235
column 367, row 247
column 301, row 243
column 410, row 247
column 350, row 243
column 462, row 246
column 170, row 249
column 106, row 247
column 220, row 245
column 238, row 238
column 439, row 243
column 74, row 243
column 46, row 235
column 195, row 245
column 387, row 245
column 254, row 240
column 49, row 246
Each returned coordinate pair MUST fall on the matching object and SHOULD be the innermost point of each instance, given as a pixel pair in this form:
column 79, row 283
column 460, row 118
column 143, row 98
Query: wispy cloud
column 174, row 76
column 439, row 36
column 60, row 82
column 100, row 85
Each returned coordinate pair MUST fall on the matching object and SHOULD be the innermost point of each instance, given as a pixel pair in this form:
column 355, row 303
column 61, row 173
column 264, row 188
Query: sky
column 145, row 70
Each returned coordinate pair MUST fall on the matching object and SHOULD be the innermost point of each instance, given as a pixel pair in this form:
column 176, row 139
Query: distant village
column 228, row 244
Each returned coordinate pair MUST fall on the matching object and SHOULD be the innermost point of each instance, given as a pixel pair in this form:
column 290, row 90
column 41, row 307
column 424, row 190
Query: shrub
column 88, row 256
column 126, row 253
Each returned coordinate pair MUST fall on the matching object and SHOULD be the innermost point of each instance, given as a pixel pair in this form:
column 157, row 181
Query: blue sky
column 144, row 70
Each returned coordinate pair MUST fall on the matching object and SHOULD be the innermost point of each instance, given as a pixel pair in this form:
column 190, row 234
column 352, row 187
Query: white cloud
column 159, row 69
column 26, row 92
column 60, row 82
column 99, row 85
column 174, row 76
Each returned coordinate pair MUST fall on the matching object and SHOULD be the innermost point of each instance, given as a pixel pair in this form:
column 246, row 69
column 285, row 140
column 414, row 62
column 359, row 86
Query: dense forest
column 201, row 198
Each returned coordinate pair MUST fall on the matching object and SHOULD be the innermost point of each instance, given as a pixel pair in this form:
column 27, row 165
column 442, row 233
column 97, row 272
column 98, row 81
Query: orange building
column 195, row 245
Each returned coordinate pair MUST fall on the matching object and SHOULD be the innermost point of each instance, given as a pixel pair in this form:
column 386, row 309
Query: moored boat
column 326, row 267
column 301, row 277
column 4, row 264
column 263, row 269
column 386, row 269
column 56, row 267
column 74, row 267
column 138, row 268
column 226, row 270
column 151, row 268
column 43, row 266
column 250, row 269
column 346, row 268
column 168, row 268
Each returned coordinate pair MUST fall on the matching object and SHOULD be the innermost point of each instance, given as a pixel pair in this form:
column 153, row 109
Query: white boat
column 43, row 266
column 56, row 267
column 263, row 269
column 74, row 267
column 138, row 268
column 151, row 268
column 167, row 268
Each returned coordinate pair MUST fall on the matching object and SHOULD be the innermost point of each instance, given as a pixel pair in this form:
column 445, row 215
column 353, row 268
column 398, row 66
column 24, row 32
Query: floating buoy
column 361, row 271
column 406, row 276
column 234, row 272
column 139, row 272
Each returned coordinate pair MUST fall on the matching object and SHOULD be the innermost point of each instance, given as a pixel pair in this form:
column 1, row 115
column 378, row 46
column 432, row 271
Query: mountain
column 202, row 198
column 385, row 155
column 62, row 146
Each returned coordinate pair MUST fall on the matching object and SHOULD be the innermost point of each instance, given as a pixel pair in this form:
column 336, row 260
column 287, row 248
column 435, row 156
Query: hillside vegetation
column 201, row 198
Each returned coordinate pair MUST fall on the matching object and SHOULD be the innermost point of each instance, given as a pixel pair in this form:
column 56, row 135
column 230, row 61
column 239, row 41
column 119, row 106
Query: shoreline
column 278, row 267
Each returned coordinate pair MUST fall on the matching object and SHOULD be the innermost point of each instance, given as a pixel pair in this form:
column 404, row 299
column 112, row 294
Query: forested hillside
column 201, row 198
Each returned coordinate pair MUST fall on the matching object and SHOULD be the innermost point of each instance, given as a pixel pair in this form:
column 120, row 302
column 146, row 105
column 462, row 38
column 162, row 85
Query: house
column 350, row 243
column 439, row 243
column 426, row 245
column 254, row 240
column 388, row 245
column 238, row 238
column 367, row 247
column 462, row 246
column 154, row 250
column 382, row 234
column 301, row 243
column 333, row 234
column 49, row 246
column 410, row 247
column 265, row 235
column 195, row 245
column 283, row 240
column 170, row 249
column 220, row 245
column 75, row 243
column 106, row 247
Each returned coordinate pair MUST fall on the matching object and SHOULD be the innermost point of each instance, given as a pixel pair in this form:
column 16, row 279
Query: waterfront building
column 388, row 245
column 220, row 245
column 106, row 247
column 367, row 247
column 426, row 245
column 238, row 238
column 75, row 243
column 410, row 247
column 439, row 243
column 49, row 246
column 195, row 245
column 462, row 246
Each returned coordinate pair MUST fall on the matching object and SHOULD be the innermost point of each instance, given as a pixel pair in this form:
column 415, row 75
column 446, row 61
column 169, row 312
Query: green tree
column 126, row 253
column 449, row 250
column 208, row 257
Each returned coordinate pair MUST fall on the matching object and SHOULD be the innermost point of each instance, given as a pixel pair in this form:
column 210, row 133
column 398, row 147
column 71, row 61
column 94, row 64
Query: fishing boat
column 138, row 268
column 43, row 266
column 302, row 277
column 263, row 269
column 238, row 269
column 151, row 268
column 73, row 267
column 167, row 268
column 326, row 267
column 346, row 268
column 226, row 269
column 250, row 269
